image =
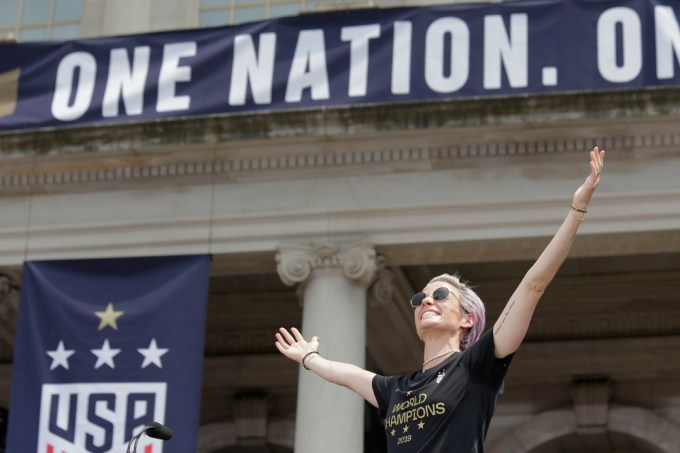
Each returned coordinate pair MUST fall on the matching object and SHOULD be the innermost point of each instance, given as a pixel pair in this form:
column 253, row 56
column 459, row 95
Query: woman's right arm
column 296, row 348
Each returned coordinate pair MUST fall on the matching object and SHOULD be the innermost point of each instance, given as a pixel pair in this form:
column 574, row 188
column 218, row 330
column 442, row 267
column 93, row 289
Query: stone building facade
column 330, row 219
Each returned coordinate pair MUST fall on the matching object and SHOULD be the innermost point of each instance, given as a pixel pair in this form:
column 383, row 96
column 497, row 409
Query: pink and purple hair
column 471, row 304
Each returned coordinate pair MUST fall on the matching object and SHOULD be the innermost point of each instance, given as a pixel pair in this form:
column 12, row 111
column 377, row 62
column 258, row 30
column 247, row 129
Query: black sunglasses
column 438, row 295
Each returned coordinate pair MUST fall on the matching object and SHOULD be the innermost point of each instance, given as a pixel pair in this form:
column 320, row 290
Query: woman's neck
column 438, row 350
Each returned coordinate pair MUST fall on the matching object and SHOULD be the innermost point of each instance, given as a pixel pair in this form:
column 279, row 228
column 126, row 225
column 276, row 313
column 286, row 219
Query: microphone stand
column 154, row 430
column 136, row 439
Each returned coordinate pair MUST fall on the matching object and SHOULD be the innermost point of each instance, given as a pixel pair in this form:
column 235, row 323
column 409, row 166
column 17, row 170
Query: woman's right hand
column 294, row 346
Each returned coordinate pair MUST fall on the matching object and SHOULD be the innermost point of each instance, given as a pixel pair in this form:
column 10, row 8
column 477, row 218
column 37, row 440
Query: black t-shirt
column 448, row 407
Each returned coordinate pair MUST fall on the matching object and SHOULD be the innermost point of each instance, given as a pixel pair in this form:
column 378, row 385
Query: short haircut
column 471, row 304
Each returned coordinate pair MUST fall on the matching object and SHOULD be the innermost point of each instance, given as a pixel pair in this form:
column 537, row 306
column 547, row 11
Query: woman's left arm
column 512, row 324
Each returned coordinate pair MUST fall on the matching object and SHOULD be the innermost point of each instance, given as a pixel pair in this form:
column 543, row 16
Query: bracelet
column 307, row 355
column 575, row 213
column 582, row 211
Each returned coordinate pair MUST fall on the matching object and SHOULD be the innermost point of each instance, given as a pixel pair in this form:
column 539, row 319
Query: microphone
column 158, row 431
column 152, row 429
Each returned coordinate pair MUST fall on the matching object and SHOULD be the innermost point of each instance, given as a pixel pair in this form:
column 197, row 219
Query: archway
column 653, row 429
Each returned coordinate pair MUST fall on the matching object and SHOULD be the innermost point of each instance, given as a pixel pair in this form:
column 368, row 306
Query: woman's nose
column 428, row 300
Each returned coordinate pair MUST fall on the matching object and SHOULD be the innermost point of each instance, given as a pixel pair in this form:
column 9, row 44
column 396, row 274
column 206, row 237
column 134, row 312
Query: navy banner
column 341, row 58
column 104, row 347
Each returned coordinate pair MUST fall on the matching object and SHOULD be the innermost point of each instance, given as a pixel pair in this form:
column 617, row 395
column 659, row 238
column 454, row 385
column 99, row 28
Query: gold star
column 405, row 428
column 393, row 432
column 421, row 425
column 108, row 317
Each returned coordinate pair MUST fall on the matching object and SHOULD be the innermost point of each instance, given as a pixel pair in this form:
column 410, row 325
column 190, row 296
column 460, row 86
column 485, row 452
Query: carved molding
column 239, row 341
column 356, row 261
column 116, row 170
column 660, row 321
column 404, row 134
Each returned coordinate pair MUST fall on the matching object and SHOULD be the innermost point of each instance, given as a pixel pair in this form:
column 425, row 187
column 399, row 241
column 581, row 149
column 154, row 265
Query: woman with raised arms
column 448, row 404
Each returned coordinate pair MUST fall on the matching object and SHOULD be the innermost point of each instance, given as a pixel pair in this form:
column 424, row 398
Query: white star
column 152, row 354
column 105, row 355
column 60, row 356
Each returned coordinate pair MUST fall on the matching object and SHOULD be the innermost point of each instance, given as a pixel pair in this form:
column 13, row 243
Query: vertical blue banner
column 104, row 347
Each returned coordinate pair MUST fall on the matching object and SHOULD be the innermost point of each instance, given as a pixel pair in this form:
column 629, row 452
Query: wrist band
column 581, row 211
column 307, row 355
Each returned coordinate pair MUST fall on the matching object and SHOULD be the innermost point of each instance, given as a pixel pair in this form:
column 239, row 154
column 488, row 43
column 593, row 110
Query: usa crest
column 82, row 417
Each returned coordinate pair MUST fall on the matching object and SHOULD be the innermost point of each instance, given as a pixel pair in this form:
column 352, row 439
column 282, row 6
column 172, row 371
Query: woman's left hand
column 585, row 192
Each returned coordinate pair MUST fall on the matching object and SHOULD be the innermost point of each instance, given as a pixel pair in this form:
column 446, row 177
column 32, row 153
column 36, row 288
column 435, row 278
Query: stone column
column 333, row 282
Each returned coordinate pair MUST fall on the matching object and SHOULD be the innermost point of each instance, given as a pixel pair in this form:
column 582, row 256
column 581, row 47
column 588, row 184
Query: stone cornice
column 338, row 121
column 149, row 189
column 354, row 154
column 349, row 140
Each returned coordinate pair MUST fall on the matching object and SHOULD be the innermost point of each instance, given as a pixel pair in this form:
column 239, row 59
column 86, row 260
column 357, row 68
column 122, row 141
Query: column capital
column 381, row 291
column 356, row 261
